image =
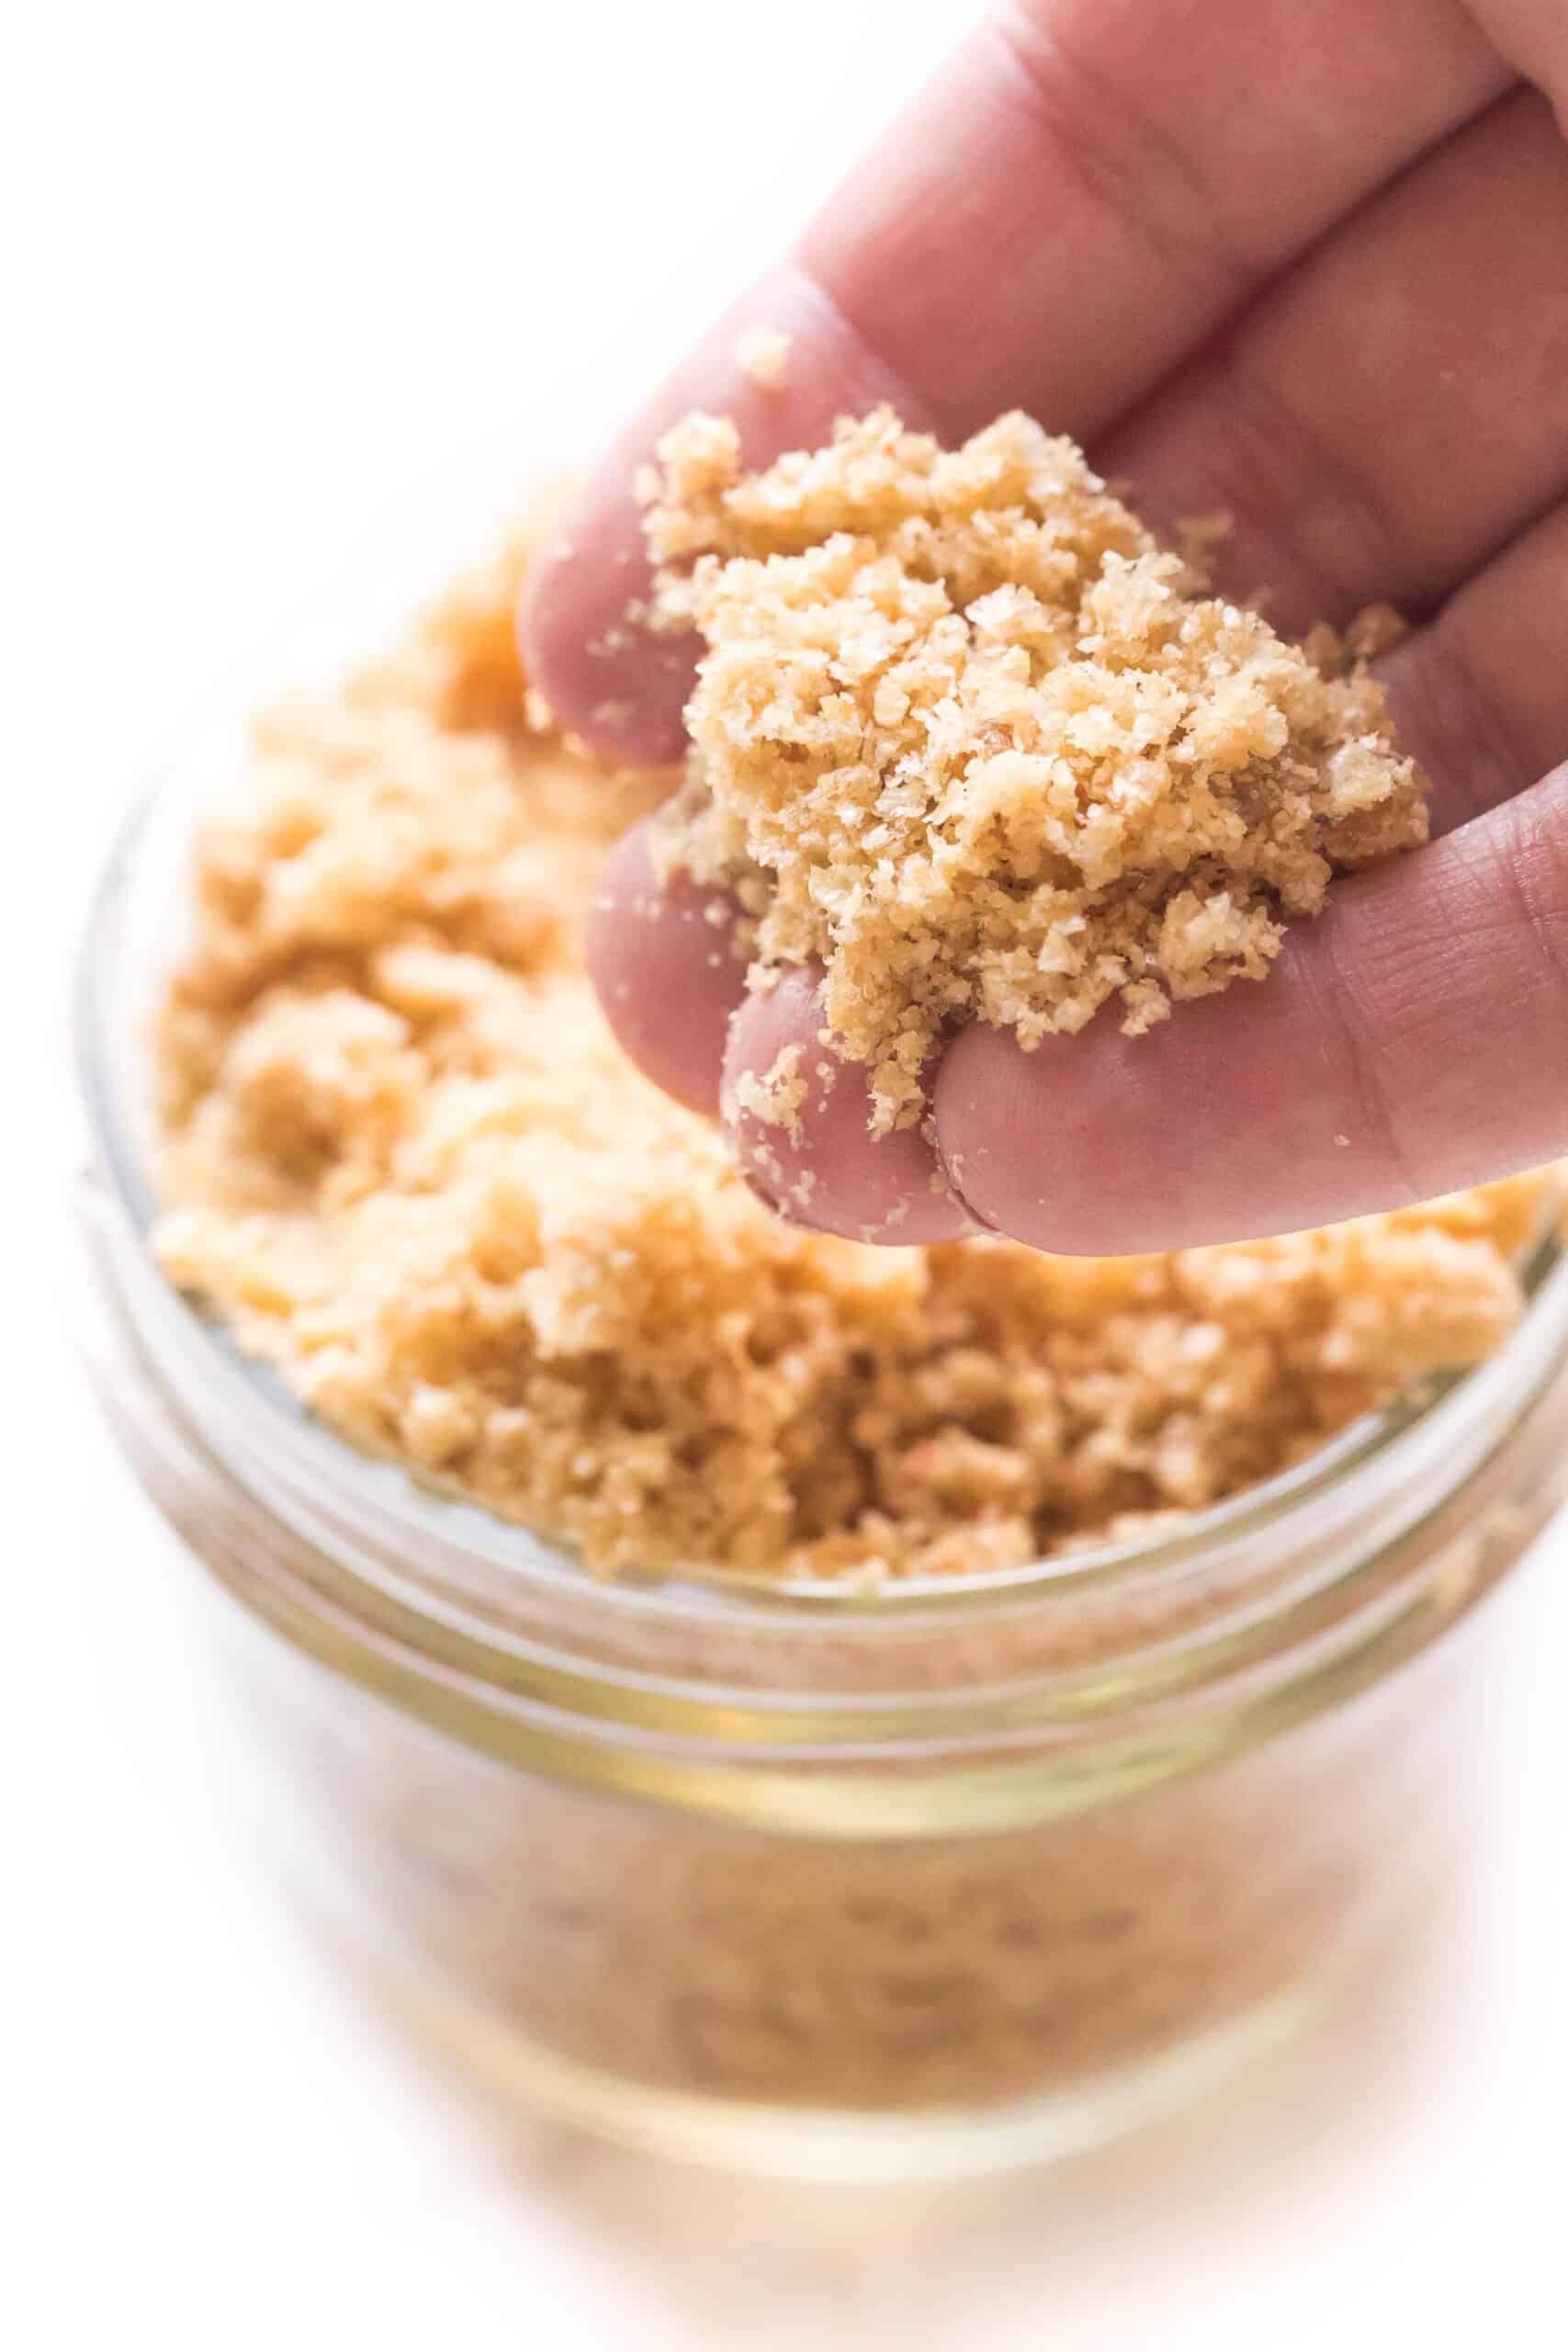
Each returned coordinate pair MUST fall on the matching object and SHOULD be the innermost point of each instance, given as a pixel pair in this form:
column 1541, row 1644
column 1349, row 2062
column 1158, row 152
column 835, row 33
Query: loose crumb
column 777, row 1097
column 762, row 354
column 407, row 1164
column 968, row 737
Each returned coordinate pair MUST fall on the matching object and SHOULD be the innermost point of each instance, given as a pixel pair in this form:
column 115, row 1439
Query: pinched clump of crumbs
column 967, row 737
column 407, row 1164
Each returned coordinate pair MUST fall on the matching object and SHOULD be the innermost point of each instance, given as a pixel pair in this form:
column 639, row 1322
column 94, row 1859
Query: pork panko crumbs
column 968, row 737
column 405, row 1163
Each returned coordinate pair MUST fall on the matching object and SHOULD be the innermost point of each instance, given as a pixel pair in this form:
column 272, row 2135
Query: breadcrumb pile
column 966, row 736
column 407, row 1165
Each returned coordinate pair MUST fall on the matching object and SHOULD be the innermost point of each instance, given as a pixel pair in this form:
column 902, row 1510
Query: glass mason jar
column 817, row 1880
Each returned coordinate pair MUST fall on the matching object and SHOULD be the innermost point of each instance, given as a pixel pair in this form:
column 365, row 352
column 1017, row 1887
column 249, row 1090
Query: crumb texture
column 405, row 1162
column 968, row 737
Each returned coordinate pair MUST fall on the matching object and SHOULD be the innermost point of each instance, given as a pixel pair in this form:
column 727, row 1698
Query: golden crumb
column 966, row 736
column 407, row 1164
column 762, row 354
column 777, row 1097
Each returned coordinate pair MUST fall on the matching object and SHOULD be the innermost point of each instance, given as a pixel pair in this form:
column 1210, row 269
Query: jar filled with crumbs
column 822, row 1875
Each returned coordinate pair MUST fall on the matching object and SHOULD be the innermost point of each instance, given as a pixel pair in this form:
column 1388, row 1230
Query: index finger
column 1081, row 197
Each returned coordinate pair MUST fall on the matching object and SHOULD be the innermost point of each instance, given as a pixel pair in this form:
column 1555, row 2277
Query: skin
column 1303, row 260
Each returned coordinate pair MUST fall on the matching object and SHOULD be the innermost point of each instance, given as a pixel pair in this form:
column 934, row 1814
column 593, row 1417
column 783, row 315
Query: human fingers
column 798, row 1122
column 662, row 960
column 1087, row 190
column 1481, row 694
column 1391, row 412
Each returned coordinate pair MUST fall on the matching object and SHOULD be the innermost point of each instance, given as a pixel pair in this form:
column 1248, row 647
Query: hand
column 1303, row 260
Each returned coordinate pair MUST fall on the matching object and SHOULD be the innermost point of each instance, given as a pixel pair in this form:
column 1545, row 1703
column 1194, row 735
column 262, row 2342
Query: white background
column 265, row 267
